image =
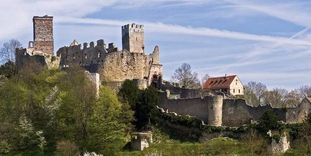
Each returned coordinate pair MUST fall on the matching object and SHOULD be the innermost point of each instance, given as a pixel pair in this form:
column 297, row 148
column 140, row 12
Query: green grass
column 218, row 146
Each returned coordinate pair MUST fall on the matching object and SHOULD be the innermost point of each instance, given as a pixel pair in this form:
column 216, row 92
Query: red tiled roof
column 219, row 82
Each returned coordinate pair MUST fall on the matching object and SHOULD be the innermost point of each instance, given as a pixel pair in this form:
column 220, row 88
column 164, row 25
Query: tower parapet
column 133, row 38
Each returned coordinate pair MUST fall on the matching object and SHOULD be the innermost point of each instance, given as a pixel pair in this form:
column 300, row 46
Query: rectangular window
column 233, row 90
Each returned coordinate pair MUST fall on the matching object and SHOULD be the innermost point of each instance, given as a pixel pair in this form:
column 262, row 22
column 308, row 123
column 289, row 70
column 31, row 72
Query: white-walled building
column 231, row 85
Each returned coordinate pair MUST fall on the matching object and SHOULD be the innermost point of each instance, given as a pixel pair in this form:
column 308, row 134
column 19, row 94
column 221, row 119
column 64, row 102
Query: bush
column 4, row 147
column 267, row 122
column 66, row 148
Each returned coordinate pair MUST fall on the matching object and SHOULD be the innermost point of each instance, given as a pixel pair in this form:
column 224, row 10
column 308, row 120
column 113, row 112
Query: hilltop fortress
column 107, row 64
column 112, row 65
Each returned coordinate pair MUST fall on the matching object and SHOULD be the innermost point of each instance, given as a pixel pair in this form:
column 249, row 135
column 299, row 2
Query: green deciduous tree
column 107, row 127
column 24, row 110
column 145, row 107
column 143, row 102
column 129, row 92
column 77, row 99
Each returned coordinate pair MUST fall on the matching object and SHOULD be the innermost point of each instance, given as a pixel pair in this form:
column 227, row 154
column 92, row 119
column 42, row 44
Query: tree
column 145, row 108
column 129, row 92
column 107, row 127
column 8, row 69
column 142, row 102
column 304, row 91
column 26, row 110
column 76, row 106
column 254, row 92
column 276, row 97
column 7, row 52
column 204, row 79
column 185, row 77
column 302, row 141
column 292, row 98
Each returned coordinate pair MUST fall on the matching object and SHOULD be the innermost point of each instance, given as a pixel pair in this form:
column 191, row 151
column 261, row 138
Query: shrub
column 66, row 148
column 267, row 122
column 4, row 147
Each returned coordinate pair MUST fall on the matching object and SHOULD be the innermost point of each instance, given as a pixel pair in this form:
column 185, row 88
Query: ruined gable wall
column 119, row 66
column 298, row 114
column 86, row 56
column 23, row 59
column 113, row 66
column 27, row 56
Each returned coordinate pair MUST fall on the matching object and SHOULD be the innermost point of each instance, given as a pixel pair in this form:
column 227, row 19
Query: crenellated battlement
column 132, row 28
column 99, row 43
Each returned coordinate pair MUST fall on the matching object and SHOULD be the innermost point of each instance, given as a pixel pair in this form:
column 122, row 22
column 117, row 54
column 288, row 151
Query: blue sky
column 259, row 40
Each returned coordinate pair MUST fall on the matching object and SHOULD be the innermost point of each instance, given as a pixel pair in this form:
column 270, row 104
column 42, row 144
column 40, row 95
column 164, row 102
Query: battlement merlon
column 132, row 28
column 43, row 17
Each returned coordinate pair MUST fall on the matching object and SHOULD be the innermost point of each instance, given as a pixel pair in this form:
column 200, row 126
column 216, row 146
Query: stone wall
column 112, row 65
column 28, row 56
column 183, row 93
column 119, row 66
column 279, row 147
column 227, row 112
column 196, row 107
column 236, row 112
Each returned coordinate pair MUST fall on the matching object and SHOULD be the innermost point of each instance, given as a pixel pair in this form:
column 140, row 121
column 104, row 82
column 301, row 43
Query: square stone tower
column 133, row 38
column 43, row 34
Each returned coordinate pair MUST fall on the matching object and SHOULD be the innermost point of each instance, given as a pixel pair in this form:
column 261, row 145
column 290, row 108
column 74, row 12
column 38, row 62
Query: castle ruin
column 113, row 65
column 108, row 64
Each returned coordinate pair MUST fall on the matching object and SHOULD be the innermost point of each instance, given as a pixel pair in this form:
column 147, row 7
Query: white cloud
column 289, row 11
column 16, row 15
column 201, row 31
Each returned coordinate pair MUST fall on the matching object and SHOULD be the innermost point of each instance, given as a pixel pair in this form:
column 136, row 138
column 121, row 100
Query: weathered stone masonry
column 43, row 34
column 219, row 111
column 113, row 65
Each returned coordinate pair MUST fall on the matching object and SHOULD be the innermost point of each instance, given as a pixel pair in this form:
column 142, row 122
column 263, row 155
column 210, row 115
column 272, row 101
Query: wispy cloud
column 184, row 30
column 288, row 11
column 233, row 23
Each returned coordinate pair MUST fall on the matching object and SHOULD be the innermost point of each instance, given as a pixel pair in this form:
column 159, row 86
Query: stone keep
column 133, row 38
column 43, row 34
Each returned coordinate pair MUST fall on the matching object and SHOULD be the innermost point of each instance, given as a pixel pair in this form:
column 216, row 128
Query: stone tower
column 133, row 38
column 215, row 110
column 43, row 34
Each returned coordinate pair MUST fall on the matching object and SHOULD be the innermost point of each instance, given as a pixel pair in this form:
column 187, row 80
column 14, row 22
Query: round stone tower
column 215, row 110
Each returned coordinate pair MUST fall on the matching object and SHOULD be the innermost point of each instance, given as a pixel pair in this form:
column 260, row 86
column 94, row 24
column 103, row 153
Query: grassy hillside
column 217, row 146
